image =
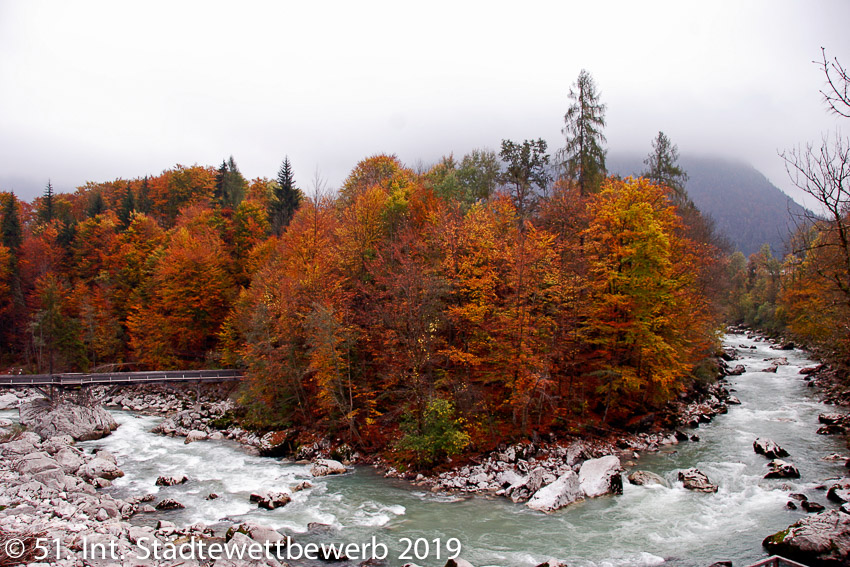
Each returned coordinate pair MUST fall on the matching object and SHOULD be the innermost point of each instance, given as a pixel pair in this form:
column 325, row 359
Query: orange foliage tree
column 645, row 319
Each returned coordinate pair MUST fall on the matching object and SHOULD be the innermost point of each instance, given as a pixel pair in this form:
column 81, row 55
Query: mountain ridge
column 746, row 207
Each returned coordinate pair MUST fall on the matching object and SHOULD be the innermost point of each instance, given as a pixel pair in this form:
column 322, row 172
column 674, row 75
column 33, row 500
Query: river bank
column 646, row 525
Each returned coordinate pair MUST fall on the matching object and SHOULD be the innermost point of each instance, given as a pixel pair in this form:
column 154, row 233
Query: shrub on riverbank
column 437, row 436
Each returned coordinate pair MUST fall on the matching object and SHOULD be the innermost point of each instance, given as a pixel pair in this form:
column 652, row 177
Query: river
column 647, row 525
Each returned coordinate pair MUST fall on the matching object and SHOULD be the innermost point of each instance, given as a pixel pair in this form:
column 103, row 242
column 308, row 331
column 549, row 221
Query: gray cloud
column 98, row 90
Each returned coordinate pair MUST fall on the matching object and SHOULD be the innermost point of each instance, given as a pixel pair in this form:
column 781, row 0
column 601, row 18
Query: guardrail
column 777, row 561
column 81, row 379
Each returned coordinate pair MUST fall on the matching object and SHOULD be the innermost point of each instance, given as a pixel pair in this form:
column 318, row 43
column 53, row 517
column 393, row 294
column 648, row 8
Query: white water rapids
column 647, row 525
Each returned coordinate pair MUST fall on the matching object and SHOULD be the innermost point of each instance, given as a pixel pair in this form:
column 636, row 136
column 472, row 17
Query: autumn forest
column 492, row 296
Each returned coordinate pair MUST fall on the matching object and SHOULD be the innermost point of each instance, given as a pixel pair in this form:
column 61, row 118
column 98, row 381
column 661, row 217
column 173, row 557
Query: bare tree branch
column 824, row 174
column 837, row 96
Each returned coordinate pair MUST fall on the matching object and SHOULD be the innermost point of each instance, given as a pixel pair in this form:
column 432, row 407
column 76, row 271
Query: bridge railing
column 83, row 379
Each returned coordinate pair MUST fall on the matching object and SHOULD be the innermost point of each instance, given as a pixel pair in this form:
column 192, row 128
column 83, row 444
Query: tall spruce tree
column 285, row 200
column 128, row 206
column 583, row 157
column 96, row 205
column 48, row 207
column 143, row 200
column 663, row 168
column 230, row 186
column 10, row 228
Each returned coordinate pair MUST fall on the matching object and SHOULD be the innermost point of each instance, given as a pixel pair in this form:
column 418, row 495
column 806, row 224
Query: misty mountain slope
column 747, row 208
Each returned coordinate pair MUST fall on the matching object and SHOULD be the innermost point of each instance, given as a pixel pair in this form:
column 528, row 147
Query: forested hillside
column 403, row 296
column 747, row 208
column 478, row 300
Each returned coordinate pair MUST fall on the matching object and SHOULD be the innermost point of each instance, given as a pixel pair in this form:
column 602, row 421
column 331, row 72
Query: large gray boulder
column 196, row 435
column 563, row 492
column 17, row 447
column 9, row 401
column 821, row 539
column 80, row 422
column 101, row 468
column 601, row 476
column 528, row 486
column 35, row 463
column 69, row 459
column 256, row 532
column 325, row 467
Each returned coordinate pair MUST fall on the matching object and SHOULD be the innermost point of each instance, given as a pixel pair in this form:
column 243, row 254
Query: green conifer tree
column 128, row 206
column 663, row 168
column 11, row 225
column 230, row 185
column 285, row 200
column 48, row 207
column 583, row 157
column 96, row 205
column 143, row 200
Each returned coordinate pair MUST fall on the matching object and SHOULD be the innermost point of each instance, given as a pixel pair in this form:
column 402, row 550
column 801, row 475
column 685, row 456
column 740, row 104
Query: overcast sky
column 92, row 91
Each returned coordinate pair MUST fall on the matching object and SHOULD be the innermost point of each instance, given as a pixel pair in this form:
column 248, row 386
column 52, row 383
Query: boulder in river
column 769, row 448
column 169, row 504
column 563, row 492
column 840, row 491
column 738, row 370
column 694, row 479
column 782, row 469
column 822, row 539
column 171, row 480
column 811, row 507
column 832, row 429
column 270, row 499
column 83, row 423
column 771, row 368
column 833, row 423
column 832, row 418
column 325, row 467
column 553, row 563
column 601, row 476
column 645, row 478
column 195, row 435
